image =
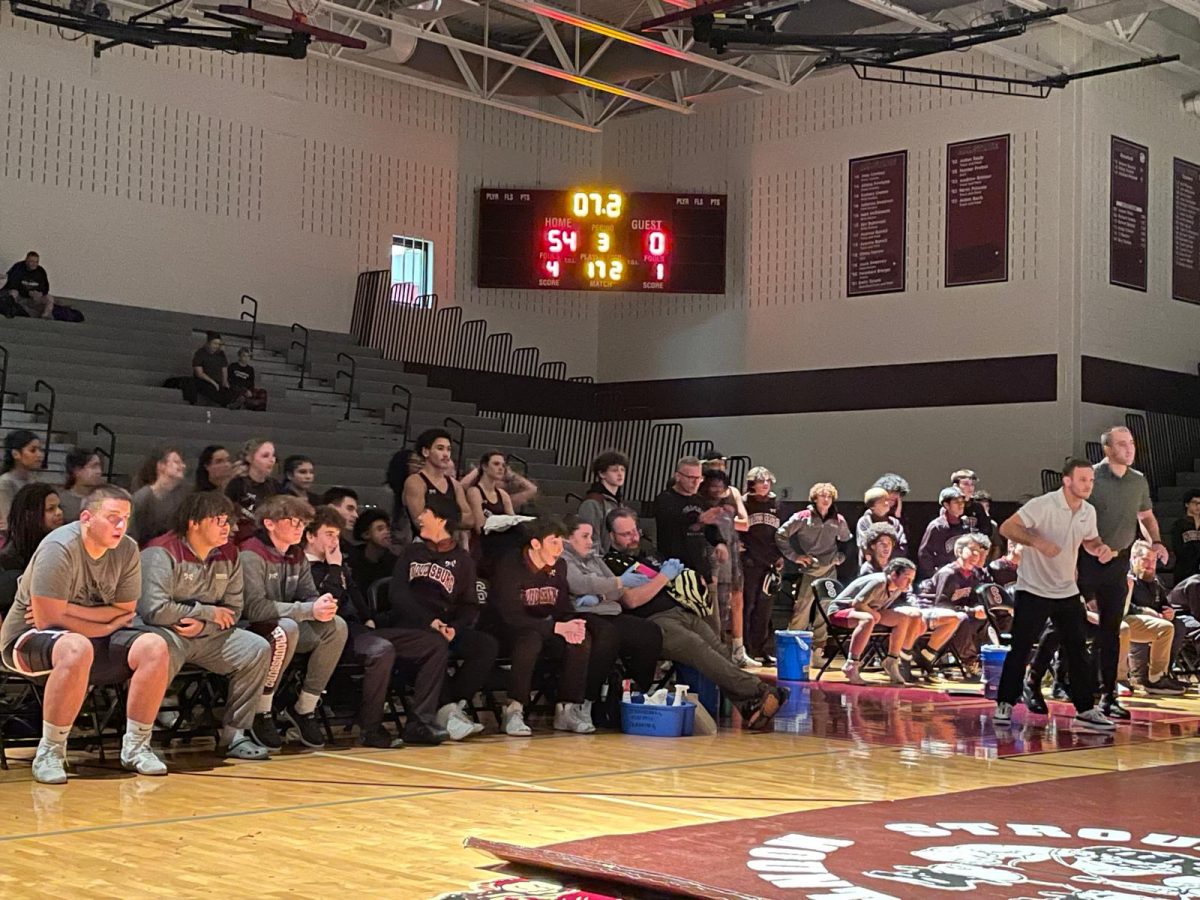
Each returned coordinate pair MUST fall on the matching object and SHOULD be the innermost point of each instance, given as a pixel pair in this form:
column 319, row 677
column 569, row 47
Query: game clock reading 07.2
column 601, row 240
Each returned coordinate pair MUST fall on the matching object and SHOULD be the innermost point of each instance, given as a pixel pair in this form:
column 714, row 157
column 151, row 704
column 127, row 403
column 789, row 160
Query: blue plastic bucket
column 992, row 656
column 705, row 690
column 793, row 653
column 795, row 716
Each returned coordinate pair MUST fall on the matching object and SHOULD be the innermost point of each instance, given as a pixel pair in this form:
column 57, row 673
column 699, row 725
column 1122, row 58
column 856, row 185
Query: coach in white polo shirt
column 1052, row 528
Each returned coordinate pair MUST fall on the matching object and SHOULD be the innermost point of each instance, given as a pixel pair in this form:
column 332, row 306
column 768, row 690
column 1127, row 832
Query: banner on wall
column 1128, row 200
column 977, row 174
column 877, row 242
column 1185, row 232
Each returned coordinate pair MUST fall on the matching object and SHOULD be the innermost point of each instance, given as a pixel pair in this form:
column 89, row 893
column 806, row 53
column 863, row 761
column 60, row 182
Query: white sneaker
column 1003, row 714
column 452, row 718
column 569, row 717
column 891, row 665
column 137, row 756
column 585, row 714
column 476, row 727
column 1094, row 720
column 744, row 661
column 850, row 670
column 49, row 764
column 513, row 720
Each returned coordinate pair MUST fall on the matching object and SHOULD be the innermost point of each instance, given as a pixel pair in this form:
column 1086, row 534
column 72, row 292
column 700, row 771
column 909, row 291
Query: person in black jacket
column 531, row 598
column 433, row 586
column 1185, row 538
column 423, row 651
column 686, row 528
column 26, row 290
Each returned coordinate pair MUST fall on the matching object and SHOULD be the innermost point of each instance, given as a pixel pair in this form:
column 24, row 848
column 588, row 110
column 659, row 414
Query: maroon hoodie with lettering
column 526, row 597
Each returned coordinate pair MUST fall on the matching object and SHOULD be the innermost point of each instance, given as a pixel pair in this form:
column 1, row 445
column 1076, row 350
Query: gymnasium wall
column 183, row 179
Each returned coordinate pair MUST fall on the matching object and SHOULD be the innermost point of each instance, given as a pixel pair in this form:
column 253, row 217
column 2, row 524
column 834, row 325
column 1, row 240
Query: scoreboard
column 601, row 240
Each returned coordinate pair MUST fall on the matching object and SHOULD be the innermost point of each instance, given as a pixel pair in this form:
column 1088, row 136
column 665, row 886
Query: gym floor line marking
column 488, row 779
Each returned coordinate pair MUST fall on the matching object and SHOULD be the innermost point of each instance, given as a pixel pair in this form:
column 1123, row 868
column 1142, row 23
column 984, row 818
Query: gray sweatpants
column 689, row 640
column 324, row 641
column 239, row 654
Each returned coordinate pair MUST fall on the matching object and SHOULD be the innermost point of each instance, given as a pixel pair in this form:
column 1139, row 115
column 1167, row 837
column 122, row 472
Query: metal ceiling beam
column 460, row 93
column 500, row 55
column 1103, row 36
column 537, row 8
column 915, row 19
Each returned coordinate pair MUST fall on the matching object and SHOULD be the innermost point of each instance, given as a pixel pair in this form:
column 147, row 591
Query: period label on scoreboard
column 877, row 243
column 602, row 240
column 1128, row 202
column 1185, row 232
column 977, row 211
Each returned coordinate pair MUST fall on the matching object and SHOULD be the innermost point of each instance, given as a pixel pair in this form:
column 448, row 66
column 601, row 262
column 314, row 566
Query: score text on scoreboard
column 588, row 239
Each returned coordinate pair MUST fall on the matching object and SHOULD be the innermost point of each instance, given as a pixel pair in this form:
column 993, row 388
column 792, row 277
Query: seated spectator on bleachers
column 868, row 601
column 373, row 555
column 974, row 512
column 73, row 617
column 605, row 494
column 280, row 593
column 26, row 290
column 192, row 591
column 535, row 619
column 35, row 512
column 84, row 473
column 878, row 545
column 1185, row 538
column 216, row 468
column 671, row 600
column 816, row 539
column 299, row 475
column 432, row 480
column 160, row 491
column 596, row 594
column 345, row 501
column 953, row 587
column 243, row 392
column 1150, row 627
column 210, row 372
column 402, row 464
column 1004, row 569
column 23, row 457
column 878, row 505
column 421, row 652
column 433, row 587
column 255, row 485
column 937, row 544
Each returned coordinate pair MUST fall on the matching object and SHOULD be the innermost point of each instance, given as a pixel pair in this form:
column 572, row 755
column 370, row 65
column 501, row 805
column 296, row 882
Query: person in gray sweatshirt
column 280, row 592
column 595, row 594
column 192, row 593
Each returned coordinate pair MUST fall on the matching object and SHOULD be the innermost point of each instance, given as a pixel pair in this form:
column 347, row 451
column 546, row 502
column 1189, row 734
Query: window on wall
column 412, row 270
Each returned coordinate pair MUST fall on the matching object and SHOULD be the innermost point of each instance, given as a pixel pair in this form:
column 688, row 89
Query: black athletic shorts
column 33, row 651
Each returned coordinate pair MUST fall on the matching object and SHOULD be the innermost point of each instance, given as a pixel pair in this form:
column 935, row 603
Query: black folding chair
column 824, row 590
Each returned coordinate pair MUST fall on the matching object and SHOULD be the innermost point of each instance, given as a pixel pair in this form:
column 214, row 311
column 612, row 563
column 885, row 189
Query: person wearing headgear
column 878, row 503
column 937, row 544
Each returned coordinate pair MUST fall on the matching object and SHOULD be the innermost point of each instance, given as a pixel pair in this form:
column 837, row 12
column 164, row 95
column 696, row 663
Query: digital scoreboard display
column 601, row 240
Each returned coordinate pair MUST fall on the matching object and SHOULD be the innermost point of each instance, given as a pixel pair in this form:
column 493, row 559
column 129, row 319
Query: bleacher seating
column 111, row 368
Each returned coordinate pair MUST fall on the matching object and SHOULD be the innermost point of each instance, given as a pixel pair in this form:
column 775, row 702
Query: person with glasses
column 687, row 527
column 73, row 621
column 280, row 593
column 192, row 591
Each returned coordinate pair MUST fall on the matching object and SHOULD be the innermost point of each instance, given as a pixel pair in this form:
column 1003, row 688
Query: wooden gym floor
column 391, row 823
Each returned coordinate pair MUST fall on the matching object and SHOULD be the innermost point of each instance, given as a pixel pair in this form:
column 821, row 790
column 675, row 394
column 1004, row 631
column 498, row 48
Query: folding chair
column 824, row 590
column 194, row 696
column 995, row 600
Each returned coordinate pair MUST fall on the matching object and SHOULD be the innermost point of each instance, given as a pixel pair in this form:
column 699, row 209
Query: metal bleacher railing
column 404, row 325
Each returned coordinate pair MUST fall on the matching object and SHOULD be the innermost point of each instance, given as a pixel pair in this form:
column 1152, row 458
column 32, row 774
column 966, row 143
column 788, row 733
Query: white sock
column 140, row 731
column 738, row 642
column 306, row 703
column 55, row 734
column 229, row 735
column 264, row 703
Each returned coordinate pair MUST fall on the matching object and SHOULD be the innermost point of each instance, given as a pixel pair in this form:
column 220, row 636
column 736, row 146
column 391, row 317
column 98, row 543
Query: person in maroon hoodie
column 530, row 596
column 433, row 586
column 937, row 545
